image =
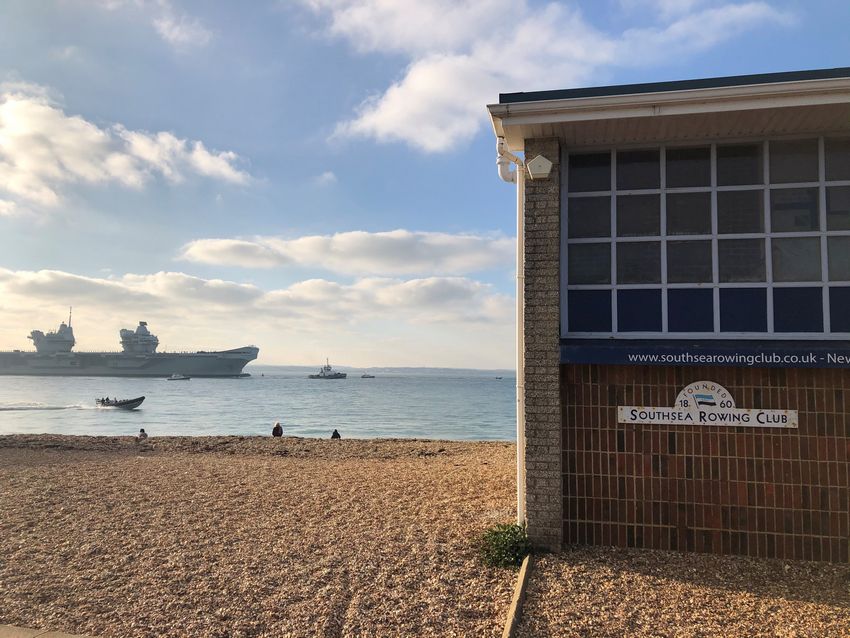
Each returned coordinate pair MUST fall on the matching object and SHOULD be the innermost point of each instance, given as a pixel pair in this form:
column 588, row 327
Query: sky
column 314, row 177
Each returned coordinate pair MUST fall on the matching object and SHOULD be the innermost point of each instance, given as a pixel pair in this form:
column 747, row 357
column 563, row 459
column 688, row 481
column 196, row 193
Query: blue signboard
column 746, row 354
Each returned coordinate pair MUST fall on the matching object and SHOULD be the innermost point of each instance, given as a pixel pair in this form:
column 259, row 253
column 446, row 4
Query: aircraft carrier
column 139, row 358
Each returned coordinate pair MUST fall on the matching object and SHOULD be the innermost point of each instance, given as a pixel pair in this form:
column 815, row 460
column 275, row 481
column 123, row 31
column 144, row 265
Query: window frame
column 769, row 284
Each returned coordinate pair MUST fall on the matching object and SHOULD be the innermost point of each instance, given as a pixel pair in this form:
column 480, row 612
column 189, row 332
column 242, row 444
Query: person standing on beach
column 335, row 435
column 277, row 430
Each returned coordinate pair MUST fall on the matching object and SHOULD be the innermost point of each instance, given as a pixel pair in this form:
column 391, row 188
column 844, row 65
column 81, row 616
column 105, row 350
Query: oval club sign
column 707, row 403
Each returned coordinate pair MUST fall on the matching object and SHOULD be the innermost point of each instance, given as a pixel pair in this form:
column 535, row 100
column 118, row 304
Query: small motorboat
column 122, row 404
column 366, row 375
column 178, row 377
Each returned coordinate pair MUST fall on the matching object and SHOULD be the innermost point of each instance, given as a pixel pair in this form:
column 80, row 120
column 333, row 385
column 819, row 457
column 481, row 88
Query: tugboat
column 327, row 372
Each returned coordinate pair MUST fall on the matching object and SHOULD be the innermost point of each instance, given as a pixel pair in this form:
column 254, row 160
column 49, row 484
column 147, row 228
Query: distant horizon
column 377, row 367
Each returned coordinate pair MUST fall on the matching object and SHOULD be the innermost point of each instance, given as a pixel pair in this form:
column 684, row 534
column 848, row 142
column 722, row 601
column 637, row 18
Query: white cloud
column 325, row 179
column 462, row 54
column 665, row 8
column 182, row 31
column 412, row 27
column 177, row 28
column 7, row 208
column 69, row 52
column 291, row 325
column 397, row 252
column 43, row 149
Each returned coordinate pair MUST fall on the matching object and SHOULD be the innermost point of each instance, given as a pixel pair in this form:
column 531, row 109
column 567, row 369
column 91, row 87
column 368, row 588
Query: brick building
column 684, row 269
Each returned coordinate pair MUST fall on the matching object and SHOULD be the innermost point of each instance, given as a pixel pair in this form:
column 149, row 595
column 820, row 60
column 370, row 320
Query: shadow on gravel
column 769, row 578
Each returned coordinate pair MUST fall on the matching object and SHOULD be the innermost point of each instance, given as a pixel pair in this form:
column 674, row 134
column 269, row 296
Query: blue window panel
column 639, row 310
column 589, row 311
column 839, row 309
column 743, row 310
column 690, row 310
column 797, row 310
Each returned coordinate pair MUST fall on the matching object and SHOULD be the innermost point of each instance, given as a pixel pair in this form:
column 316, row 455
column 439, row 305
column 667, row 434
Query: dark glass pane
column 639, row 262
column 743, row 310
column 839, row 309
column 690, row 310
column 589, row 263
column 793, row 161
column 797, row 310
column 688, row 213
column 639, row 310
column 838, row 250
column 740, row 212
column 838, row 208
column 638, row 169
column 741, row 260
column 688, row 167
column 589, row 172
column 688, row 262
column 589, row 311
column 588, row 217
column 796, row 259
column 794, row 210
column 638, row 215
column 740, row 164
column 837, row 151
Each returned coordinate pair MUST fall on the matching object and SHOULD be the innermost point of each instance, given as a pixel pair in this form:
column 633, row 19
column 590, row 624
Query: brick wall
column 732, row 490
column 543, row 477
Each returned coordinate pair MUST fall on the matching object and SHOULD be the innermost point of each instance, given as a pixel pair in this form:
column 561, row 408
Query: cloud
column 177, row 28
column 397, row 252
column 291, row 324
column 181, row 31
column 69, row 52
column 473, row 49
column 664, row 8
column 43, row 149
column 382, row 25
column 325, row 179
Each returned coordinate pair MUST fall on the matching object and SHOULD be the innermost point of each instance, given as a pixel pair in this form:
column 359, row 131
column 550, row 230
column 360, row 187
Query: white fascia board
column 684, row 102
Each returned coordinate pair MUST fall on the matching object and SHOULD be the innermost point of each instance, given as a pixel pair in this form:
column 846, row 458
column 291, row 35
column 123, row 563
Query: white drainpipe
column 504, row 159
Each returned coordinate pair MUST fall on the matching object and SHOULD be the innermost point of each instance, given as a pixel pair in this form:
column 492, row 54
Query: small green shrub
column 505, row 545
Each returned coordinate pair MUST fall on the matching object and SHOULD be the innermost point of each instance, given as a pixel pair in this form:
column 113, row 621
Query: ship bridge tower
column 139, row 342
column 61, row 340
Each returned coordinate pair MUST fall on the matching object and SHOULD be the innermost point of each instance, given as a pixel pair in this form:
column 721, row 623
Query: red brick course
column 768, row 492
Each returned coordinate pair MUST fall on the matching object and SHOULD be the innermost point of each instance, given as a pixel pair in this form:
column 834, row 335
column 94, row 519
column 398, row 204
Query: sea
column 422, row 403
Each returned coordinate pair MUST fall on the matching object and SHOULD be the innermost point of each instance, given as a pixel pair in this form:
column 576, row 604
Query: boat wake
column 19, row 407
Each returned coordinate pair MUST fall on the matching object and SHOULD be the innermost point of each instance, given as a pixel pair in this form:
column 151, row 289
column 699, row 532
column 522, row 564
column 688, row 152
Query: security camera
column 539, row 167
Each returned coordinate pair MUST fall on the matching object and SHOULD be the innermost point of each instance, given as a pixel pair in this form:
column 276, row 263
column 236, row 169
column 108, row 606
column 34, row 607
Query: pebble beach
column 252, row 536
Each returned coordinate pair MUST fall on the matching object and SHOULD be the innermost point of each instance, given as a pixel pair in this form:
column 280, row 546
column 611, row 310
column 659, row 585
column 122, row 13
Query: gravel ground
column 240, row 536
column 606, row 592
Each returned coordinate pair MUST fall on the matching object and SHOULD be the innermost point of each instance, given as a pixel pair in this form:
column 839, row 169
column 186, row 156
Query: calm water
column 426, row 403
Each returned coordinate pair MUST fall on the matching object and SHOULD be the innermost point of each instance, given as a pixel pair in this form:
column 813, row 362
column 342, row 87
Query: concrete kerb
column 515, row 610
column 8, row 631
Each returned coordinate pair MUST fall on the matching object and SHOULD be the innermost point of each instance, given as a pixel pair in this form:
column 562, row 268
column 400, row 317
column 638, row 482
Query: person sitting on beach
column 335, row 435
column 277, row 430
column 142, row 434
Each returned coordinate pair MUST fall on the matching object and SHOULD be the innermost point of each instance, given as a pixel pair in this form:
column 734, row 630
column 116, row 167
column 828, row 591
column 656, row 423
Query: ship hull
column 226, row 363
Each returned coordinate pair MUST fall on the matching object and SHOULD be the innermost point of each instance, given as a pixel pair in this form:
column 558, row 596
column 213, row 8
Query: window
column 722, row 240
column 688, row 213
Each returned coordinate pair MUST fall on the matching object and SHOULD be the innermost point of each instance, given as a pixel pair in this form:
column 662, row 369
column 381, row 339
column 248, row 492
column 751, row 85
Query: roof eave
column 508, row 116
